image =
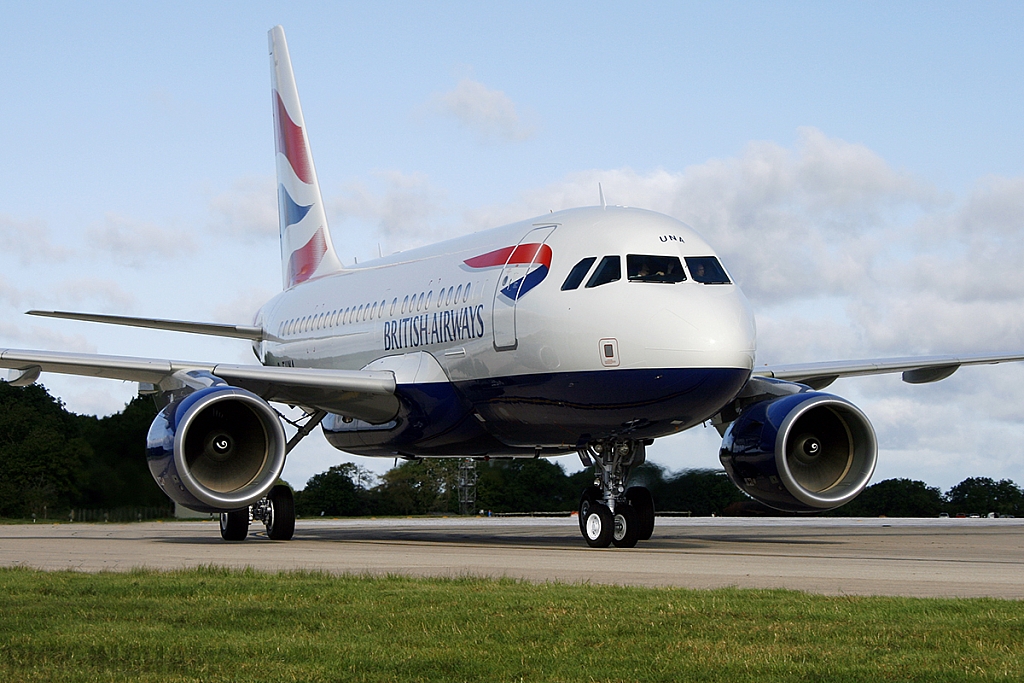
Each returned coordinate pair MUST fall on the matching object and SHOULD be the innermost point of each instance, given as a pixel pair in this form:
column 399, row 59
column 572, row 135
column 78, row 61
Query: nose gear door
column 524, row 268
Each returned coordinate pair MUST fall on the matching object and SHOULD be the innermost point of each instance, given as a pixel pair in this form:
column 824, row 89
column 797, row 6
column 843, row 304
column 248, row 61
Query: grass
column 223, row 625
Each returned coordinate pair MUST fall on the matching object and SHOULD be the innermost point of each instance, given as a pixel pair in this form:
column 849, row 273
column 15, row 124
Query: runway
column 905, row 557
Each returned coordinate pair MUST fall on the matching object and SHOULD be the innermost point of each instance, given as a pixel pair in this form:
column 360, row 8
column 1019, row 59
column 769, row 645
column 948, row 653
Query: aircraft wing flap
column 360, row 381
column 93, row 365
column 367, row 395
column 916, row 370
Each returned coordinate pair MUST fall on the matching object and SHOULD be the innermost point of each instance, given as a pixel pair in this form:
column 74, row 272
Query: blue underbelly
column 556, row 411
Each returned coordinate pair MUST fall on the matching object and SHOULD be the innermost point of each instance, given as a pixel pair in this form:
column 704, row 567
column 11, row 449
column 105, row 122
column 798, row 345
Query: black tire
column 600, row 526
column 590, row 495
column 234, row 525
column 642, row 501
column 281, row 523
column 625, row 526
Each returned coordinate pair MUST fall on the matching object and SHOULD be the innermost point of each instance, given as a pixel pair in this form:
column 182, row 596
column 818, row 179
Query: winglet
column 306, row 247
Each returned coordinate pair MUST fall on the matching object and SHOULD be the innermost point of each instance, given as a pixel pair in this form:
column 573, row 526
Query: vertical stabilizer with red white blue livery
column 306, row 247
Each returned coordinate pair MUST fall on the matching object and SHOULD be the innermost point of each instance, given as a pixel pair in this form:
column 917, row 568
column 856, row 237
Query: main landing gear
column 276, row 511
column 609, row 513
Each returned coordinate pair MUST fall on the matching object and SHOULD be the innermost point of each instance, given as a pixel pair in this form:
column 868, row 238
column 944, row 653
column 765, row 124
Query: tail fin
column 306, row 247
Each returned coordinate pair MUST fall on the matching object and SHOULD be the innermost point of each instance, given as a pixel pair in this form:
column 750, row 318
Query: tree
column 116, row 475
column 340, row 491
column 525, row 485
column 41, row 452
column 702, row 492
column 983, row 495
column 895, row 498
column 418, row 487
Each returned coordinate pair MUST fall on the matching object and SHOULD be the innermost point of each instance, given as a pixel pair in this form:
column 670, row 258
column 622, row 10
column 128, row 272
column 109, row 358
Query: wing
column 362, row 394
column 920, row 370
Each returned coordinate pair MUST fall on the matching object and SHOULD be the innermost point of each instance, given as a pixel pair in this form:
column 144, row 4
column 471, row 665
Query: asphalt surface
column 907, row 557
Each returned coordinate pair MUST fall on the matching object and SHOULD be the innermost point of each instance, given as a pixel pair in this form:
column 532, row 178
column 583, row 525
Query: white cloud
column 135, row 242
column 248, row 209
column 100, row 294
column 29, row 241
column 242, row 309
column 404, row 210
column 25, row 333
column 491, row 114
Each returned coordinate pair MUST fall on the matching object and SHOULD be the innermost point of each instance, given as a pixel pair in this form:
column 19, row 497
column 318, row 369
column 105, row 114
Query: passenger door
column 520, row 262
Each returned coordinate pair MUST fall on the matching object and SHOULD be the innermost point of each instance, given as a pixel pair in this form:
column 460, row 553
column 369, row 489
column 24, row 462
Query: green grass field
column 220, row 625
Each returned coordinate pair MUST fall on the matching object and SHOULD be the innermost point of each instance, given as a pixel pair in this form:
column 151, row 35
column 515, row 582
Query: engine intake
column 220, row 448
column 804, row 452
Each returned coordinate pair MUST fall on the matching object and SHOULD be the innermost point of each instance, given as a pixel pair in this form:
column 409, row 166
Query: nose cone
column 712, row 326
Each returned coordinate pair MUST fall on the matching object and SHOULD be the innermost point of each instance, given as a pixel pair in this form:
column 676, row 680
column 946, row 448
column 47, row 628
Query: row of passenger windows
column 647, row 268
column 412, row 303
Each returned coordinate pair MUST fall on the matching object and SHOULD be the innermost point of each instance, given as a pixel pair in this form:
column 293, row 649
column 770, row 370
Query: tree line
column 538, row 485
column 52, row 460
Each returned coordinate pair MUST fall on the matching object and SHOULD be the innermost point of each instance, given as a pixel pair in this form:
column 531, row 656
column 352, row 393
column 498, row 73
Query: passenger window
column 393, row 304
column 578, row 272
column 373, row 313
column 608, row 270
column 707, row 270
column 466, row 294
column 405, row 303
column 644, row 268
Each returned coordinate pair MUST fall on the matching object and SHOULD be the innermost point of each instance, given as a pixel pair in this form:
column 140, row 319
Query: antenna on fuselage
column 600, row 191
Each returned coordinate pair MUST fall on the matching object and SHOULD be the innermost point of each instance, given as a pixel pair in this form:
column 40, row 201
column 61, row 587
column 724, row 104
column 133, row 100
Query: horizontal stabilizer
column 212, row 329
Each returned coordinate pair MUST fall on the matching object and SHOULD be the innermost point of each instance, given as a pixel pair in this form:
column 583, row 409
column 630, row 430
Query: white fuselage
column 440, row 301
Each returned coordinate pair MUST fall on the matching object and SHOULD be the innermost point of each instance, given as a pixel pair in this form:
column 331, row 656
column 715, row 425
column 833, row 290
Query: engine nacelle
column 805, row 452
column 219, row 448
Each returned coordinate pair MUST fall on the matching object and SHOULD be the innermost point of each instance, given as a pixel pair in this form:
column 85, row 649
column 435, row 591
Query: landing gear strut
column 610, row 513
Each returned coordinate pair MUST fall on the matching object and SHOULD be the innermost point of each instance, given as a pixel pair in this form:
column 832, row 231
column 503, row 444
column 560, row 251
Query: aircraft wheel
column 625, row 526
column 642, row 501
column 234, row 525
column 590, row 495
column 599, row 526
column 281, row 516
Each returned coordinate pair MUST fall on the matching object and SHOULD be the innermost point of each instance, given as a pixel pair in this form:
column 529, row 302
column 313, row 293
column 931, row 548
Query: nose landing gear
column 609, row 513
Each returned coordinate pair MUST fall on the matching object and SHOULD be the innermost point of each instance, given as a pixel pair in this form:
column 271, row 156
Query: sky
column 858, row 166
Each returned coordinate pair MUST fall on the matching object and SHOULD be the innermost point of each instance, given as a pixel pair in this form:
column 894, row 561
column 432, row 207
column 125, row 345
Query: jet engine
column 219, row 448
column 806, row 452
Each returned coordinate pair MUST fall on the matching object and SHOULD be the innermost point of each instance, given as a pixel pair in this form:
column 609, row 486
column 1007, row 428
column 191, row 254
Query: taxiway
column 908, row 557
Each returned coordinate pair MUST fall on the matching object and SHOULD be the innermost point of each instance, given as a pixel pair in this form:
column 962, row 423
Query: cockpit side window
column 608, row 270
column 578, row 272
column 707, row 270
column 644, row 268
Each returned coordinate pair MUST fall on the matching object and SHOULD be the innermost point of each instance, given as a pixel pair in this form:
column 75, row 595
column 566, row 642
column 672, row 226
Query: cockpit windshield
column 645, row 268
column 707, row 270
column 608, row 270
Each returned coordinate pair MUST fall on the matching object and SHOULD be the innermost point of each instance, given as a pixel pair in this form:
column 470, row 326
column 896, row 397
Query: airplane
column 593, row 330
